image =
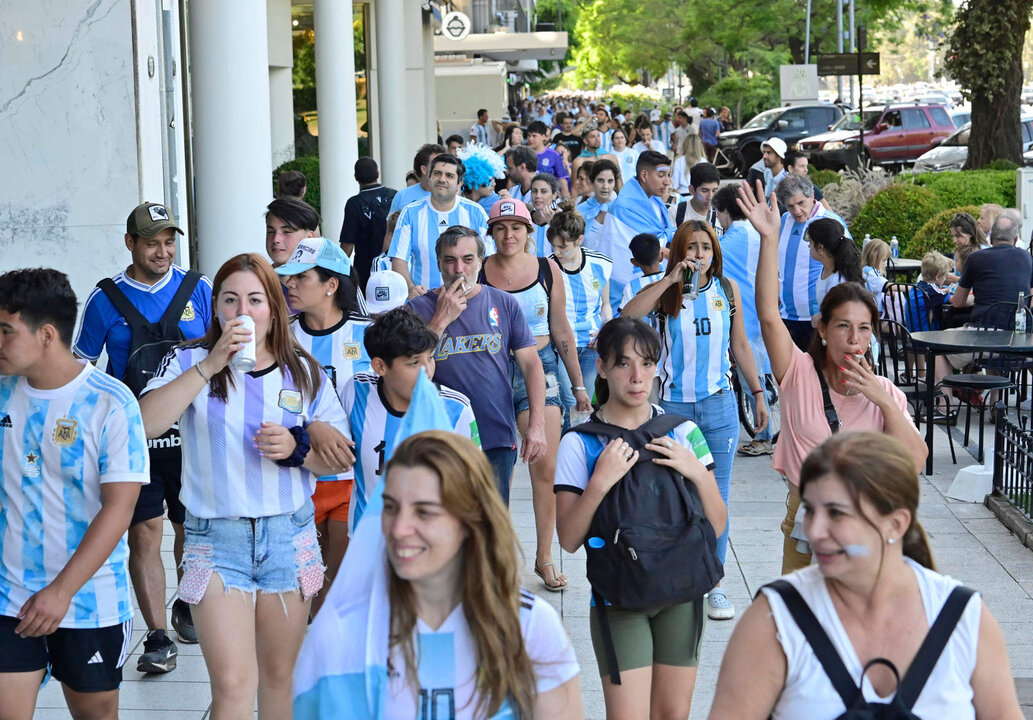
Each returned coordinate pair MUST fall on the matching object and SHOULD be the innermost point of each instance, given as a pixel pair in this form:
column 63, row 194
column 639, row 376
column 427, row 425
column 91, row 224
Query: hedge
column 309, row 165
column 971, row 187
column 935, row 234
column 821, row 178
column 899, row 210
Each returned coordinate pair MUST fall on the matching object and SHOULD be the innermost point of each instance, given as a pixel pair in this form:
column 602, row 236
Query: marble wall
column 69, row 170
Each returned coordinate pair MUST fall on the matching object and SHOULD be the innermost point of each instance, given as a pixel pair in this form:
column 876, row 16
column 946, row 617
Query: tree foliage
column 984, row 55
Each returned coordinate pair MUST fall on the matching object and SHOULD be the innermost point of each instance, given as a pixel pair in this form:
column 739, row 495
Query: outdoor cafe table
column 943, row 342
column 903, row 266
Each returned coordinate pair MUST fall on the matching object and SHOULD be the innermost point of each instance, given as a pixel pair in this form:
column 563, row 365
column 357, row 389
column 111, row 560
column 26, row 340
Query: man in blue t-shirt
column 150, row 284
column 479, row 327
column 549, row 161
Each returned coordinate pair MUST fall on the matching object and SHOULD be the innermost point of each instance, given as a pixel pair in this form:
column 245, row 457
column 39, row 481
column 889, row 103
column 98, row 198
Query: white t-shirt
column 808, row 691
column 654, row 145
column 447, row 660
column 695, row 115
column 826, row 284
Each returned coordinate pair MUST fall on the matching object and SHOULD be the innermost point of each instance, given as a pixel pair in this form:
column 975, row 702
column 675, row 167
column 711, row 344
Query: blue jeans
column 502, row 460
column 718, row 419
column 586, row 358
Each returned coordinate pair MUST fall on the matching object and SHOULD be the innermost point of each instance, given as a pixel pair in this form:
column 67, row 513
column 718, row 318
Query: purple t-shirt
column 549, row 161
column 473, row 358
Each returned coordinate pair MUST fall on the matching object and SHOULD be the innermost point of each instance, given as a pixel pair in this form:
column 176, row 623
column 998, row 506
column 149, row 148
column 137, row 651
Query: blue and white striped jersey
column 374, row 424
column 585, row 287
column 417, row 233
column 447, row 665
column 607, row 145
column 382, row 262
column 224, row 476
column 339, row 349
column 481, row 134
column 540, row 238
column 407, row 195
column 694, row 360
column 797, row 270
column 636, row 284
column 57, row 447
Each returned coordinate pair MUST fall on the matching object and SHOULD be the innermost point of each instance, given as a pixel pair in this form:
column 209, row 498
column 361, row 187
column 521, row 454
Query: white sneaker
column 718, row 606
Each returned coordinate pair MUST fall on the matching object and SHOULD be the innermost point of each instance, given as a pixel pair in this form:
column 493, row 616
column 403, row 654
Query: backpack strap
column 823, row 649
column 830, row 410
column 607, row 637
column 679, row 212
column 135, row 319
column 730, row 294
column 170, row 318
column 932, row 647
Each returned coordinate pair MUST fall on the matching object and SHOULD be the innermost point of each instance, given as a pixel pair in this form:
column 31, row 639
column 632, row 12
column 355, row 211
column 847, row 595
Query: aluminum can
column 244, row 359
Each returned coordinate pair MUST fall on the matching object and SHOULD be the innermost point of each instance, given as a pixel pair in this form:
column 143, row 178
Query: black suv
column 742, row 147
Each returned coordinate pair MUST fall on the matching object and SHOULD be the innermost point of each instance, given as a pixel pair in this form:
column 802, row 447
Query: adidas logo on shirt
column 95, row 659
column 6, row 422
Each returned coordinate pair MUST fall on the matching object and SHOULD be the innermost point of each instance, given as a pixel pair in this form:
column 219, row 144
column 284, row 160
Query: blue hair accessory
column 483, row 166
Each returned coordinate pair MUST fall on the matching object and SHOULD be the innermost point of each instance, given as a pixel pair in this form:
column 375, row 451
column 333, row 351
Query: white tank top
column 809, row 692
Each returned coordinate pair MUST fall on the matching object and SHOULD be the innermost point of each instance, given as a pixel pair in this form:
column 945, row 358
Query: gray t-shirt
column 473, row 358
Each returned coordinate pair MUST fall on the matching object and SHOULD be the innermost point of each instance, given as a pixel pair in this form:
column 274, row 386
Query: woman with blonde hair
column 873, row 594
column 689, row 153
column 874, row 257
column 463, row 634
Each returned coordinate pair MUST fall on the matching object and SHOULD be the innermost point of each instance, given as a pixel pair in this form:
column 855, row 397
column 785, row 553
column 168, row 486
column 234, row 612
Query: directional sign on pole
column 846, row 64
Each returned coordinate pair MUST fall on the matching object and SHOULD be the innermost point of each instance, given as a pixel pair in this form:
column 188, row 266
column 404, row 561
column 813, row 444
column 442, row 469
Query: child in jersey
column 666, row 640
column 400, row 345
column 327, row 325
column 649, row 266
column 74, row 456
column 466, row 641
column 586, row 280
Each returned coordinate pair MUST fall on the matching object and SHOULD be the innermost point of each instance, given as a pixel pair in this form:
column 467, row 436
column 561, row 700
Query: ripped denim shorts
column 276, row 554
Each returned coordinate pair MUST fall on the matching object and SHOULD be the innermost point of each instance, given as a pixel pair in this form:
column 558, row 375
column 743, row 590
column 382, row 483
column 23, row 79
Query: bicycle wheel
column 771, row 394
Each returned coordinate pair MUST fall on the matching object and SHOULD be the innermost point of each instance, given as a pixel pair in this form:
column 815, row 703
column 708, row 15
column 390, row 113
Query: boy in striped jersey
column 586, row 281
column 645, row 257
column 400, row 345
column 74, row 456
column 421, row 222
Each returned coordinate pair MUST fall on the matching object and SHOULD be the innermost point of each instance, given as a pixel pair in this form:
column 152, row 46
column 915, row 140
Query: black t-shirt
column 997, row 274
column 573, row 143
column 365, row 224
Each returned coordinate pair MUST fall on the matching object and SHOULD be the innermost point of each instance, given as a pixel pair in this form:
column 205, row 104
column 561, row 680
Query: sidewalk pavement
column 968, row 542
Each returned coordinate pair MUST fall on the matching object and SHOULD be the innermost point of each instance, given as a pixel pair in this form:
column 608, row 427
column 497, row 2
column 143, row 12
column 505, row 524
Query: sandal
column 755, row 449
column 558, row 584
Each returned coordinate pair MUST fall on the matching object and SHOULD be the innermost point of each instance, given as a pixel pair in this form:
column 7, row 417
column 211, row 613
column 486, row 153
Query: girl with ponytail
column 838, row 254
column 874, row 591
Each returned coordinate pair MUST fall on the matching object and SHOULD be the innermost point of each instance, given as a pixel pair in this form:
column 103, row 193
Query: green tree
column 627, row 40
column 984, row 55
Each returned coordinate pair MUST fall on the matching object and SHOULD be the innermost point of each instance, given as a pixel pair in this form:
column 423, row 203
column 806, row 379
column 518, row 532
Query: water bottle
column 867, row 239
column 1020, row 315
column 894, row 248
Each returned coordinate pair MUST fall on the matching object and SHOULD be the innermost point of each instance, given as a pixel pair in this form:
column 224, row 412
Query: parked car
column 893, row 135
column 742, row 147
column 932, row 98
column 952, row 153
column 961, row 116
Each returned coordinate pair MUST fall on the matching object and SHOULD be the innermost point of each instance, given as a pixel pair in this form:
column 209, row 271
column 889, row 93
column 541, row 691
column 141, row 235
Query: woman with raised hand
column 835, row 365
column 251, row 562
column 875, row 595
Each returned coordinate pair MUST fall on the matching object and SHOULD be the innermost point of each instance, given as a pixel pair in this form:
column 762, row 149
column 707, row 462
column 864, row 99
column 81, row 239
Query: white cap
column 777, row 144
column 654, row 115
column 385, row 290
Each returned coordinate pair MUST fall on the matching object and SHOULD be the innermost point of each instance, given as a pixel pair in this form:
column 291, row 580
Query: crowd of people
column 573, row 288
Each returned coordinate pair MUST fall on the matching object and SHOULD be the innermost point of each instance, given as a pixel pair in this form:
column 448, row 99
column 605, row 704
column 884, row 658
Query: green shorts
column 667, row 636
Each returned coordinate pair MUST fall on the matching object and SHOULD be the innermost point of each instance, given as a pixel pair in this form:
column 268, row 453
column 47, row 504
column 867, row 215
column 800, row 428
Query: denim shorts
column 547, row 354
column 276, row 554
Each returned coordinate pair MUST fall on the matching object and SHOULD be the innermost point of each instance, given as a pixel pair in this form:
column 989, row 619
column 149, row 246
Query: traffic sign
column 846, row 64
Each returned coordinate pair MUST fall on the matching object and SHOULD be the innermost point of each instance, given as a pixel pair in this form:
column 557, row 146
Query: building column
column 229, row 69
column 335, row 101
column 415, row 80
column 429, row 82
column 395, row 151
column 281, row 84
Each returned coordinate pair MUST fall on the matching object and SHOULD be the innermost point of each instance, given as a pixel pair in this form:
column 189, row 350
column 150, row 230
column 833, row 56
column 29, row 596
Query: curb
column 1012, row 519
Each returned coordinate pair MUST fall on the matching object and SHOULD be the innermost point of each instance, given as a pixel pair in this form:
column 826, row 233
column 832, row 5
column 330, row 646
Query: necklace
column 509, row 278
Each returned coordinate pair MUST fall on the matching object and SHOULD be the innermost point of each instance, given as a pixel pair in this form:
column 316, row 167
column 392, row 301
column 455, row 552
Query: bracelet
column 757, row 392
column 297, row 458
column 579, row 387
column 197, row 366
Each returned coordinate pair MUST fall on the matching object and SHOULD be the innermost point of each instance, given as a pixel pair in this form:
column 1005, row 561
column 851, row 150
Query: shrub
column 971, row 187
column 1001, row 164
column 309, row 165
column 935, row 234
column 855, row 188
column 899, row 210
column 821, row 178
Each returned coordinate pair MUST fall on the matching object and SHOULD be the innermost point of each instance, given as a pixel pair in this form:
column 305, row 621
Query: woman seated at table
column 874, row 592
column 838, row 359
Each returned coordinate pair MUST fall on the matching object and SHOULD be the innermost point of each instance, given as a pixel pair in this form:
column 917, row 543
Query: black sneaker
column 159, row 653
column 183, row 623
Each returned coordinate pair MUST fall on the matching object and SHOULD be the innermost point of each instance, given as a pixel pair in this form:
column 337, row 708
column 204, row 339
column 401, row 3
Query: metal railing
column 1013, row 462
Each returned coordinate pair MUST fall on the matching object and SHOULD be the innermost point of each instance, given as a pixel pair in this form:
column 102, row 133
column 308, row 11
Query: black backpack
column 908, row 688
column 151, row 341
column 649, row 544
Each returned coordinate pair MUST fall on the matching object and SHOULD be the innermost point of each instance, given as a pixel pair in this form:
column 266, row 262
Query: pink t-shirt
column 804, row 425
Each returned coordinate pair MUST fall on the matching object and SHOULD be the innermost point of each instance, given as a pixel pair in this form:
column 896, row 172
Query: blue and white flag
column 633, row 212
column 342, row 668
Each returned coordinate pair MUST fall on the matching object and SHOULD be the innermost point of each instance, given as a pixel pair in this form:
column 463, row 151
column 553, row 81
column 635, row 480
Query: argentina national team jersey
column 694, row 347
column 542, row 246
column 447, row 665
column 224, row 476
column 417, row 233
column 57, row 447
column 373, row 425
column 339, row 349
column 607, row 144
column 584, row 288
column 637, row 283
column 797, row 270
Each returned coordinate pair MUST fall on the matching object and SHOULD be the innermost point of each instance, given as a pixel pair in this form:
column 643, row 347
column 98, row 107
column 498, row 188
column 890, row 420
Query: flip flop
column 753, row 449
column 560, row 584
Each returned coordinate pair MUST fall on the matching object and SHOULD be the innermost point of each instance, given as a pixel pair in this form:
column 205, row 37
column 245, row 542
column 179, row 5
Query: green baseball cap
column 149, row 219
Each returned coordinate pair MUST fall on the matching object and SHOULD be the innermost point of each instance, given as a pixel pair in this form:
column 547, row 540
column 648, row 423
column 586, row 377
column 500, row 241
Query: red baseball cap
column 510, row 209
